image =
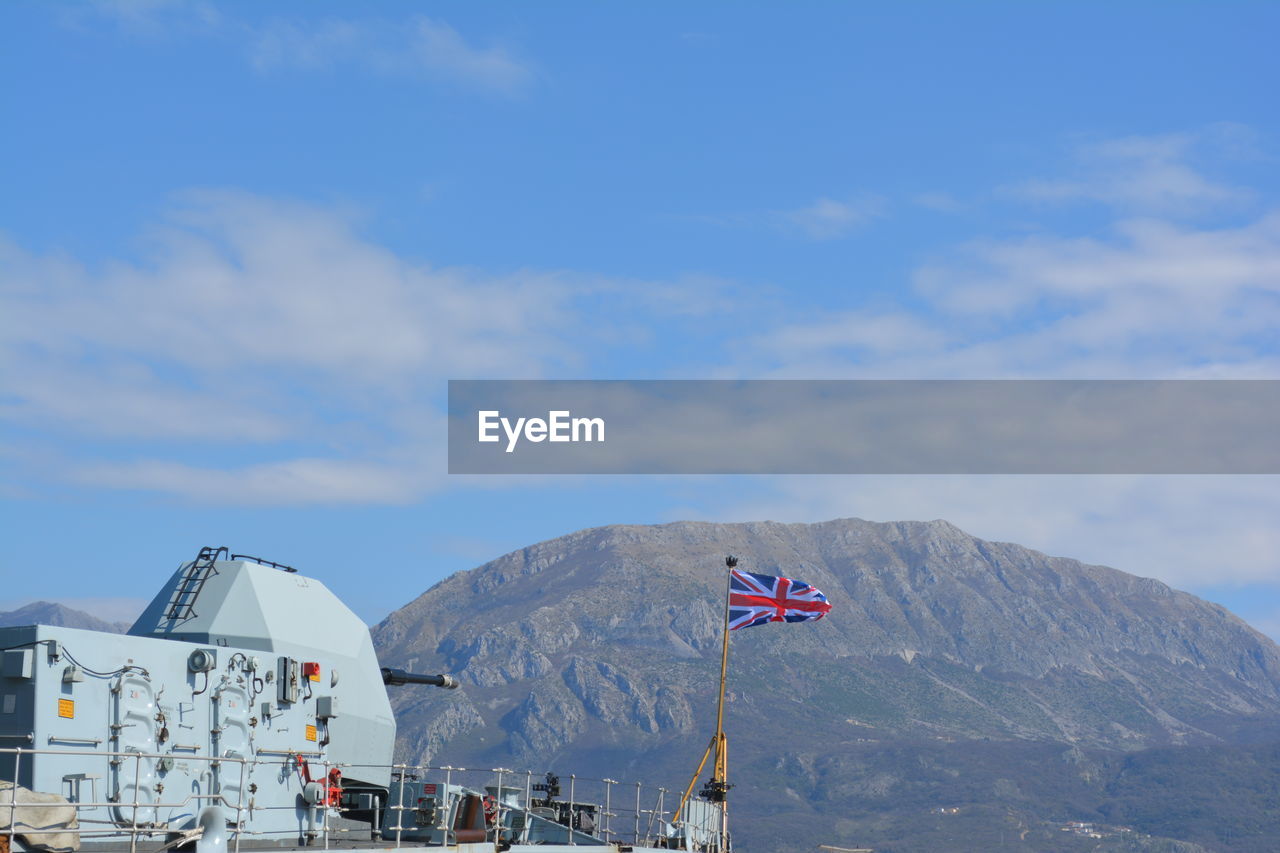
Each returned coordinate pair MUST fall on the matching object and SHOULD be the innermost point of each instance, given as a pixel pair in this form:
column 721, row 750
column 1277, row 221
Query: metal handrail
column 647, row 825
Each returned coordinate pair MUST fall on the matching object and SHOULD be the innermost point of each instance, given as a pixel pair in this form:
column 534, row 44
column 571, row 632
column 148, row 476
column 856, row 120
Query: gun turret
column 392, row 676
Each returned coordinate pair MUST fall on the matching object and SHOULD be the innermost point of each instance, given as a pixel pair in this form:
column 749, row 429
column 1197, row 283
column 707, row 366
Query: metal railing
column 640, row 819
column 94, row 827
column 598, row 810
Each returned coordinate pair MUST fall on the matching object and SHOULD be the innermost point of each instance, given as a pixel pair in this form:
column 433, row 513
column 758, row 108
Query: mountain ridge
column 53, row 613
column 605, row 643
column 937, row 626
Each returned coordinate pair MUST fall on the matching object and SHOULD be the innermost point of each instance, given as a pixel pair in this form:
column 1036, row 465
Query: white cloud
column 827, row 219
column 421, row 46
column 292, row 482
column 939, row 202
column 859, row 335
column 414, row 47
column 1152, row 299
column 1148, row 174
column 821, row 220
column 1140, row 255
column 1145, row 297
column 148, row 18
column 129, row 400
column 263, row 352
column 260, row 324
column 236, row 281
column 1189, row 531
column 276, row 327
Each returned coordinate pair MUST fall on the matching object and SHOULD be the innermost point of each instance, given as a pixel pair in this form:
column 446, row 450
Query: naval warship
column 246, row 710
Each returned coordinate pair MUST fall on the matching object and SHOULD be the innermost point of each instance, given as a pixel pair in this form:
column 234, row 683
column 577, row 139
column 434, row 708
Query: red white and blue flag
column 757, row 599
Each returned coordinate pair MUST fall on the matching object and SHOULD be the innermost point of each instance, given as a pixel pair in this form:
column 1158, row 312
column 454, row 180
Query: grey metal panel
column 170, row 711
column 18, row 663
column 133, row 730
column 256, row 608
column 231, row 739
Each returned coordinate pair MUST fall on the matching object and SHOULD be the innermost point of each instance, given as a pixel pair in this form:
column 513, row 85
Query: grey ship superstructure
column 246, row 709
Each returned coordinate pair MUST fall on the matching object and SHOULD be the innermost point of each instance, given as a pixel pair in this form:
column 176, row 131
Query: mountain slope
column 603, row 646
column 52, row 613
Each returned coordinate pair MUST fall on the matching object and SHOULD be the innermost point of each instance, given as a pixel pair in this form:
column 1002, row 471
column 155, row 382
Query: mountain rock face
column 51, row 613
column 601, row 649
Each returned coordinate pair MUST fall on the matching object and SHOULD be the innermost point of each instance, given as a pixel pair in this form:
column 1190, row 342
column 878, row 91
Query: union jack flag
column 757, row 599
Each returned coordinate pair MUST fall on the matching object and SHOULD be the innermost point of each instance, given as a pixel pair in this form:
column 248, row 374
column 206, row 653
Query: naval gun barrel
column 399, row 676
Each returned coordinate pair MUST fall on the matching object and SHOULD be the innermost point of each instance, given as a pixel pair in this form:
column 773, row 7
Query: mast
column 719, row 779
column 717, row 786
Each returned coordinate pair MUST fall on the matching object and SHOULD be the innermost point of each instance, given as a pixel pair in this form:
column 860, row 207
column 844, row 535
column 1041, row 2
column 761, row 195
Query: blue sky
column 244, row 246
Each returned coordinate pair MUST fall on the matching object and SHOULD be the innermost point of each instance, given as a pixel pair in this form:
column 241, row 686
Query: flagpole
column 763, row 599
column 718, row 786
column 720, row 780
column 722, row 747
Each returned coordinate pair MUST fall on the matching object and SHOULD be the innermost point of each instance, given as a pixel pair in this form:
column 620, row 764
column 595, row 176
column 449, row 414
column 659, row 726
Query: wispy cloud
column 264, row 352
column 257, row 323
column 857, row 335
column 233, row 281
column 1146, row 174
column 147, row 18
column 1147, row 296
column 313, row 355
column 1152, row 299
column 939, row 202
column 291, row 482
column 828, row 219
column 1208, row 266
column 420, row 46
column 414, row 47
column 1141, row 297
column 823, row 219
column 1187, row 531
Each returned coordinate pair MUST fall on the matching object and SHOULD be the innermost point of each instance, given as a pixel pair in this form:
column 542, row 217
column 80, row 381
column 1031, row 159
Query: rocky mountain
column 51, row 613
column 600, row 650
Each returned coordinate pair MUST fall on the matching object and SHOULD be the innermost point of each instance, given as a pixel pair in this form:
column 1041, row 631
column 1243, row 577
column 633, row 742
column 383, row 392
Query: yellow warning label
column 67, row 708
column 311, row 732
